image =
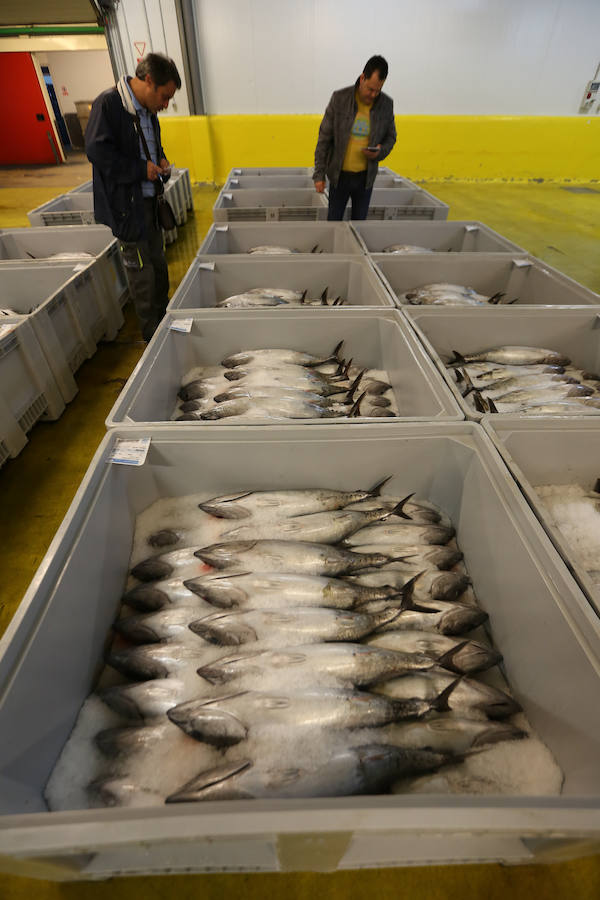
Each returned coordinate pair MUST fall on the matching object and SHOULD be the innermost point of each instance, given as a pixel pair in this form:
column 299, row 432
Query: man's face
column 369, row 88
column 157, row 97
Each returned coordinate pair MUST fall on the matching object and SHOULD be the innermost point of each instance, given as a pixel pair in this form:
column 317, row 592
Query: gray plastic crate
column 12, row 436
column 86, row 188
column 385, row 180
column 269, row 171
column 551, row 450
column 212, row 279
column 529, row 280
column 403, row 203
column 378, row 339
column 271, row 205
column 266, row 182
column 540, row 621
column 571, row 331
column 28, row 389
column 186, row 185
column 66, row 209
column 37, row 244
column 239, row 237
column 175, row 196
column 441, row 237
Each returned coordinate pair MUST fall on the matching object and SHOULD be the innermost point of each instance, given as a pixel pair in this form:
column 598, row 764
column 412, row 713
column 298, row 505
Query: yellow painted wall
column 466, row 148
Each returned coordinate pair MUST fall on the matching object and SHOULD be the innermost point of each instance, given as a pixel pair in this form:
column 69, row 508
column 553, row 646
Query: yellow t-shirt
column 355, row 160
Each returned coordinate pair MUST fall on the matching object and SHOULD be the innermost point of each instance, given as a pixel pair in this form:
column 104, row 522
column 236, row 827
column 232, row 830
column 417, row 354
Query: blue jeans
column 351, row 185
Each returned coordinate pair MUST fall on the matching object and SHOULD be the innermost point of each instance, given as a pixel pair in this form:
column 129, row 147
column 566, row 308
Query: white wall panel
column 83, row 74
column 469, row 57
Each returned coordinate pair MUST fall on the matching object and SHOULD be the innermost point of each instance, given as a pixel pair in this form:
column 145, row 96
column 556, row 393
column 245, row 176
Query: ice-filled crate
column 431, row 237
column 272, row 239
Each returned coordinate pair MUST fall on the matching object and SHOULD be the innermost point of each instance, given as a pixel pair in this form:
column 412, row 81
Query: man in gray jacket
column 357, row 131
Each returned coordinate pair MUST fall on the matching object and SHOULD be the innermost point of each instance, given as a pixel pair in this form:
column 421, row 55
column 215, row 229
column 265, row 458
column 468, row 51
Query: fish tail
column 510, row 302
column 376, row 489
column 492, row 406
column 315, row 248
column 354, row 385
column 209, row 778
column 457, row 360
column 303, row 297
column 440, row 704
column 467, row 380
column 355, row 411
column 398, row 510
column 446, row 660
column 346, row 367
column 496, row 298
column 324, row 297
column 481, row 404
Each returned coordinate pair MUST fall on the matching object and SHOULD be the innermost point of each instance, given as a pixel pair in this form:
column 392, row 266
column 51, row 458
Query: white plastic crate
column 85, row 188
column 38, row 244
column 539, row 619
column 271, row 205
column 28, row 389
column 377, row 339
column 266, row 182
column 66, row 209
column 187, row 186
column 403, row 203
column 12, row 436
column 175, row 197
column 570, row 331
column 524, row 279
column 440, row 237
column 212, row 279
column 551, row 450
column 239, row 237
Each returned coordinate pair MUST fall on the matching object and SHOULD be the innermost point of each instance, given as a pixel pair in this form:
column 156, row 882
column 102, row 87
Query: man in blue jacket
column 356, row 133
column 122, row 141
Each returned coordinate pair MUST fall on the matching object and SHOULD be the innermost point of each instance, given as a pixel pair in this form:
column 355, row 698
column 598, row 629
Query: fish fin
column 376, row 489
column 440, row 704
column 446, row 660
column 355, row 411
column 324, row 297
column 492, row 406
column 468, row 383
column 510, row 302
column 336, row 351
column 481, row 404
column 496, row 298
column 315, row 248
column 207, row 779
column 457, row 360
column 398, row 509
column 460, row 375
column 354, row 385
column 346, row 367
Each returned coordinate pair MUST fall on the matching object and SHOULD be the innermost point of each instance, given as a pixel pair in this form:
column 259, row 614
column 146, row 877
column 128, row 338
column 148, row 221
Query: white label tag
column 6, row 329
column 234, row 181
column 222, row 228
column 522, row 263
column 80, row 267
column 237, row 171
column 210, row 266
column 128, row 452
column 184, row 325
column 228, row 196
column 471, row 227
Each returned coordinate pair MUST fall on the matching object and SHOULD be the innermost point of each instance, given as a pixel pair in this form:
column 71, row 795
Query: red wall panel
column 26, row 134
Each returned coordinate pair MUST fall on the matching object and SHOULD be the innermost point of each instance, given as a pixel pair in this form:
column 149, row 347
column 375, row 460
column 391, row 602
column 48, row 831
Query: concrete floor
column 36, row 489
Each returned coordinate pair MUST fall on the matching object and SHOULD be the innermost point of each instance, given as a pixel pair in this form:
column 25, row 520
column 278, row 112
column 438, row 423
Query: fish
column 406, row 248
column 131, row 740
column 448, row 733
column 512, row 355
column 302, row 557
column 230, row 719
column 273, row 393
column 468, row 697
column 348, row 664
column 279, row 357
column 145, row 699
column 329, row 527
column 401, row 533
column 163, row 594
column 181, row 562
column 456, row 654
column 298, row 377
column 285, row 627
column 273, row 408
column 364, row 769
column 276, row 590
column 444, row 617
column 448, row 295
column 272, row 250
column 246, row 504
column 250, row 301
column 414, row 510
column 429, row 587
column 153, row 627
column 157, row 660
column 123, row 791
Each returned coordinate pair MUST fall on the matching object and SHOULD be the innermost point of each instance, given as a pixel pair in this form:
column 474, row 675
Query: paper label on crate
column 471, row 227
column 6, row 329
column 184, row 325
column 234, row 181
column 130, row 452
column 210, row 266
column 228, row 196
column 222, row 228
column 237, row 171
column 522, row 263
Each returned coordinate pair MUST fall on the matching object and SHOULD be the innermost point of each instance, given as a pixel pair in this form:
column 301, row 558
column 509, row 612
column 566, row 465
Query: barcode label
column 128, row 452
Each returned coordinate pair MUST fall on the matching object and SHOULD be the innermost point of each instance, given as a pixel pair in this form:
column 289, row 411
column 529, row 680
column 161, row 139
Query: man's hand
column 164, row 165
column 153, row 171
column 372, row 154
column 319, row 186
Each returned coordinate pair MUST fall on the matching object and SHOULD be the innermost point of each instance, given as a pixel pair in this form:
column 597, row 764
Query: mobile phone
column 373, row 149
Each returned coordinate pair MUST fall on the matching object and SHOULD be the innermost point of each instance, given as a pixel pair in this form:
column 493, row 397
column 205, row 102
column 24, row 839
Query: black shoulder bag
column 164, row 211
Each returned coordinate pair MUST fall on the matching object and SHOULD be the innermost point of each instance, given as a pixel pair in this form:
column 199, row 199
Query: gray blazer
column 335, row 129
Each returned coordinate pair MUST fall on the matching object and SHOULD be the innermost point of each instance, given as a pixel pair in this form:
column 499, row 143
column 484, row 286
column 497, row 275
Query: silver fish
column 271, row 250
column 286, row 627
column 406, row 248
column 513, row 355
column 366, row 769
column 153, row 627
column 428, row 586
column 273, row 590
column 289, row 376
column 162, row 595
column 421, row 511
column 250, row 301
column 452, row 734
column 130, row 740
column 257, row 393
column 278, row 357
column 467, row 697
column 455, row 654
column 275, row 408
column 176, row 563
column 124, row 791
column 145, row 699
column 336, row 663
column 441, row 616
column 401, row 533
column 157, row 660
column 328, row 527
column 225, row 721
column 302, row 557
column 246, row 504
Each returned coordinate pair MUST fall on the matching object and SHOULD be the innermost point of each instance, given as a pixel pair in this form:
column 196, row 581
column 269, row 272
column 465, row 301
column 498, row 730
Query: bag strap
column 158, row 185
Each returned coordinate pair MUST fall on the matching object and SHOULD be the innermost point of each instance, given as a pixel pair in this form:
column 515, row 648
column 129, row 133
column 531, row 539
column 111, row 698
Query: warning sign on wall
column 140, row 49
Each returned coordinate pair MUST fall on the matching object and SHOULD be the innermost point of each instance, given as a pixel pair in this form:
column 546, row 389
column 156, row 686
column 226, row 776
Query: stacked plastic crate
column 541, row 619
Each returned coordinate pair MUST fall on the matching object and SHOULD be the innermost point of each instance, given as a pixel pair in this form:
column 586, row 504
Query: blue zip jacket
column 112, row 146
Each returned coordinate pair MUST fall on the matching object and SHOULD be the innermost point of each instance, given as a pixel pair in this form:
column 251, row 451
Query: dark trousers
column 350, row 186
column 147, row 272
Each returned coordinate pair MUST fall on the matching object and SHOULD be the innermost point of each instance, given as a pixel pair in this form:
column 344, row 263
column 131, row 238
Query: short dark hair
column 160, row 68
column 376, row 64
